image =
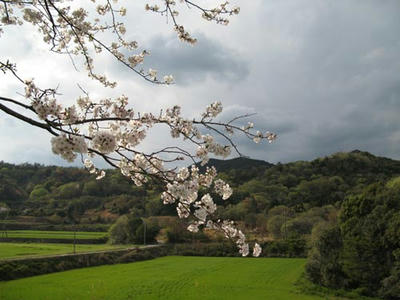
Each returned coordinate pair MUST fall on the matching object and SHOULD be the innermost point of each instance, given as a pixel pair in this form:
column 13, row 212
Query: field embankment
column 32, row 266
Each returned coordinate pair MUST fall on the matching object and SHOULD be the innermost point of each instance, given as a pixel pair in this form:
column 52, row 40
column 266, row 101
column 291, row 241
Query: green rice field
column 169, row 278
column 16, row 250
column 38, row 234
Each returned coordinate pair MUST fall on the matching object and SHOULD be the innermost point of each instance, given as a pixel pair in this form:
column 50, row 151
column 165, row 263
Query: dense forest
column 345, row 209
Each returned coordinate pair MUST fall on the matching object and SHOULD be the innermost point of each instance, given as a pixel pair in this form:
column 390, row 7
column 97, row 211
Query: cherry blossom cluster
column 184, row 190
column 4, row 209
column 7, row 15
column 170, row 8
column 231, row 232
column 75, row 32
column 213, row 110
column 89, row 165
column 215, row 13
column 68, row 146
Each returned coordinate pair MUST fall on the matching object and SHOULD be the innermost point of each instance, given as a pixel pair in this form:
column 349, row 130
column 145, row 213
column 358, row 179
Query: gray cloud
column 335, row 74
column 324, row 75
column 191, row 64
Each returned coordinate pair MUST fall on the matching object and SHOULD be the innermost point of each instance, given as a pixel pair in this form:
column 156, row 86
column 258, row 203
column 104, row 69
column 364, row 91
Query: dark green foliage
column 234, row 167
column 362, row 251
column 285, row 248
column 38, row 193
column 73, row 194
column 177, row 233
column 209, row 249
column 303, row 185
column 390, row 287
column 323, row 266
column 129, row 229
column 68, row 190
column 274, row 225
column 319, row 191
column 148, row 236
column 288, row 248
column 120, row 231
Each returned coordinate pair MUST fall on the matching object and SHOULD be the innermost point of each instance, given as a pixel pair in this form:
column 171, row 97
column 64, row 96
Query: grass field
column 13, row 250
column 38, row 234
column 169, row 278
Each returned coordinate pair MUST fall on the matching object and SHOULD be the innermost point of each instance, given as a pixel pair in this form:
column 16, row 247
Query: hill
column 239, row 163
column 58, row 194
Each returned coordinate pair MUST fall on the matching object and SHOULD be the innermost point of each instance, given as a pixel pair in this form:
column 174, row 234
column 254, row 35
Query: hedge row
column 283, row 248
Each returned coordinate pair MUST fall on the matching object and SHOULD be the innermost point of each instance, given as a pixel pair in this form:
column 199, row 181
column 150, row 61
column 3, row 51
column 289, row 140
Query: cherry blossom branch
column 109, row 129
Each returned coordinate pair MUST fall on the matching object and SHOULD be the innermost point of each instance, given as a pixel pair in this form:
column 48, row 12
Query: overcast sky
column 324, row 75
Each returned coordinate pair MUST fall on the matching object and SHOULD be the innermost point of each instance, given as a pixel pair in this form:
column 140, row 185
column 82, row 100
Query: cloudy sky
column 324, row 75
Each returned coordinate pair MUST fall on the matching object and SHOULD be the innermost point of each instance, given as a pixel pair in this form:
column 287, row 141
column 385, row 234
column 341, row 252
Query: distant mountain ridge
column 239, row 163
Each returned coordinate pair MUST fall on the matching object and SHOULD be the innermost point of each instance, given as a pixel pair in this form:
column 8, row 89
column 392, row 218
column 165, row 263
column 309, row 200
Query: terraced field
column 39, row 234
column 169, row 278
column 19, row 250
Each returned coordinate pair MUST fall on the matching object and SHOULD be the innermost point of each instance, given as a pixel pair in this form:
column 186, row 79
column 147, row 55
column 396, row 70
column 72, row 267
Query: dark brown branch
column 6, row 10
column 17, row 103
column 26, row 119
column 226, row 137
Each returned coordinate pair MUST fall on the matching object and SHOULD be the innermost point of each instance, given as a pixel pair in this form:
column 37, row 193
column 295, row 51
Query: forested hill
column 240, row 163
column 258, row 186
column 240, row 169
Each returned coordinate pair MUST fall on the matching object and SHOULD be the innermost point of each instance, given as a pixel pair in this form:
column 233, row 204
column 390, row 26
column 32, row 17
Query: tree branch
column 26, row 119
column 17, row 103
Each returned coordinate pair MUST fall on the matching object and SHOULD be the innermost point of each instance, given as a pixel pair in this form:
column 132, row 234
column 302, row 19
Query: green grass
column 38, row 234
column 14, row 250
column 169, row 278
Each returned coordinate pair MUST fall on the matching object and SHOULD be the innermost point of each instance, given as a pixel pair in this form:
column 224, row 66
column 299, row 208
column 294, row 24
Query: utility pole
column 4, row 209
column 144, row 223
column 284, row 220
column 74, row 239
column 144, row 231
